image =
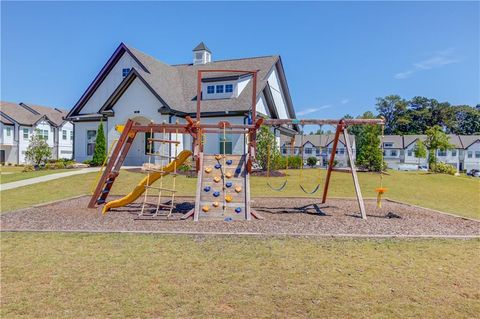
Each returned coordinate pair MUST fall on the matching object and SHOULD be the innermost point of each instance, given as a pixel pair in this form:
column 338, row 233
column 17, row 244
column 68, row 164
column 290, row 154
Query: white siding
column 473, row 162
column 65, row 146
column 109, row 84
column 278, row 95
column 81, row 128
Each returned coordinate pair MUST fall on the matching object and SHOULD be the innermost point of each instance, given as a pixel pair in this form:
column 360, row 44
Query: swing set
column 341, row 129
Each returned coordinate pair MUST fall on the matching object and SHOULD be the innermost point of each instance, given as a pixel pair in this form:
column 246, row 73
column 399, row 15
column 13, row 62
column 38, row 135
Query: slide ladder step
column 162, row 189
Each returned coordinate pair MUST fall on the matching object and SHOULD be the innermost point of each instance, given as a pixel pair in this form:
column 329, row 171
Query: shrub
column 443, row 168
column 28, row 168
column 312, row 161
column 88, row 162
column 38, row 150
column 49, row 166
column 185, row 168
column 59, row 165
column 100, row 152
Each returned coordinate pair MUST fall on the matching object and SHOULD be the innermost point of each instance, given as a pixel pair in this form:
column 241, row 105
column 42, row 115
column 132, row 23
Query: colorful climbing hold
column 228, row 219
column 229, row 162
column 238, row 210
column 207, row 188
column 216, row 204
column 208, row 170
column 218, row 157
column 217, row 166
column 228, row 198
column 217, row 179
column 228, row 184
column 216, row 194
column 238, row 170
column 238, row 189
column 228, row 175
column 205, row 208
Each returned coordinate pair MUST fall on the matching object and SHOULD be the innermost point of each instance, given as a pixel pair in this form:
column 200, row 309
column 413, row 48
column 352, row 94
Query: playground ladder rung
column 159, row 171
column 161, row 155
column 162, row 189
column 162, row 141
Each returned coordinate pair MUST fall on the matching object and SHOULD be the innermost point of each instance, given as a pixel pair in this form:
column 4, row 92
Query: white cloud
column 344, row 101
column 439, row 59
column 314, row 109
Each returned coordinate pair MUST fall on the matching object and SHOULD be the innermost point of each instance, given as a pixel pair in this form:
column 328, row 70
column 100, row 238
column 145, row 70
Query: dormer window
column 125, row 72
column 219, row 89
column 229, row 88
column 210, row 89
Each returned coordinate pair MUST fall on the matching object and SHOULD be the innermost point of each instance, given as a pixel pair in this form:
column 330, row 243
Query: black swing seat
column 279, row 188
column 312, row 192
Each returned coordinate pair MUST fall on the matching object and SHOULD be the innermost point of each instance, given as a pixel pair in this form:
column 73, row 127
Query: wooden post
column 340, row 127
column 111, row 163
column 353, row 169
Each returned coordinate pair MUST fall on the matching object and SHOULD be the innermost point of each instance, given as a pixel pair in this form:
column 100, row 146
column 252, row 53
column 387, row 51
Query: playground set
column 223, row 180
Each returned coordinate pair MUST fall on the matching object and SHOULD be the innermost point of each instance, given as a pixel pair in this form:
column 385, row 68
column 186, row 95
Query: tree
column 267, row 149
column 312, row 161
column 393, row 108
column 38, row 151
column 436, row 140
column 420, row 150
column 369, row 154
column 100, row 152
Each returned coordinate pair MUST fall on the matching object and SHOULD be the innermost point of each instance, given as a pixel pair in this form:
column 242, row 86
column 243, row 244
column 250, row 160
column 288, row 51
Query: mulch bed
column 281, row 216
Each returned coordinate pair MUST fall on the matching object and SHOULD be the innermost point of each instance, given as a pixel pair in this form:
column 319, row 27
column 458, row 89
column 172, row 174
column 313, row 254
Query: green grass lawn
column 459, row 195
column 12, row 174
column 117, row 276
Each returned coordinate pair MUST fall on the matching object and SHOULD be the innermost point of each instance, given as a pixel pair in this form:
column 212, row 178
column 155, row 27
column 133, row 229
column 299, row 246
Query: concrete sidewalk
column 41, row 179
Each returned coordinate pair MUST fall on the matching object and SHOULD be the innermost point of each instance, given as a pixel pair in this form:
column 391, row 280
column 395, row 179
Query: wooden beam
column 358, row 191
column 340, row 128
column 322, row 121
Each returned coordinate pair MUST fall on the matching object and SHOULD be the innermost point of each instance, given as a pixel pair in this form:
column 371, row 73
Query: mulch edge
column 250, row 234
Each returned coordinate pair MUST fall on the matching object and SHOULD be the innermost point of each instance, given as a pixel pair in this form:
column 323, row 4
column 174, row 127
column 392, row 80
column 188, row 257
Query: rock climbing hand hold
column 228, row 184
column 218, row 157
column 208, row 170
column 207, row 188
column 216, row 204
column 238, row 189
column 228, row 198
column 228, row 175
column 217, row 166
column 229, row 162
column 205, row 208
column 238, row 210
column 238, row 170
column 216, row 194
column 217, row 179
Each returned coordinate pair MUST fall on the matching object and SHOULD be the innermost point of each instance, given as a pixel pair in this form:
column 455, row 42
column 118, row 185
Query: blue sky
column 338, row 57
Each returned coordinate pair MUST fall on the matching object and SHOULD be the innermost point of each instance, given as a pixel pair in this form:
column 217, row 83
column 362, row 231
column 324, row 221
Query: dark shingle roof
column 201, row 46
column 4, row 120
column 24, row 116
column 177, row 84
column 468, row 140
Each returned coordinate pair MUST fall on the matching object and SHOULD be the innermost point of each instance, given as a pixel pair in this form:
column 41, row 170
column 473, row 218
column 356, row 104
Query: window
column 227, row 142
column 308, row 150
column 340, row 151
column 387, row 144
column 43, row 134
column 409, row 152
column 393, row 153
column 220, row 88
column 469, row 154
column 317, row 151
column 402, row 152
column 477, row 154
column 149, row 147
column 210, row 89
column 125, row 72
column 66, row 152
column 284, row 150
column 442, row 153
column 71, row 135
column 25, row 133
column 229, row 88
column 454, row 152
column 91, row 136
column 9, row 131
column 64, row 134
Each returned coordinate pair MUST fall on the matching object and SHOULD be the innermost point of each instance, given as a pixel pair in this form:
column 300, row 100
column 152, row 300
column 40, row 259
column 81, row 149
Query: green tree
column 420, row 150
column 394, row 109
column 267, row 149
column 369, row 154
column 100, row 151
column 312, row 161
column 38, row 151
column 436, row 140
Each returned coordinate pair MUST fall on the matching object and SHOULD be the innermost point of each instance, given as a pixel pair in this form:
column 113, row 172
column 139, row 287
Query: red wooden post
column 340, row 127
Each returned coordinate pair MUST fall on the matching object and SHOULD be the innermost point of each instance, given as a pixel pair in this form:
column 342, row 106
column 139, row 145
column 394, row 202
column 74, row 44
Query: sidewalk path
column 41, row 179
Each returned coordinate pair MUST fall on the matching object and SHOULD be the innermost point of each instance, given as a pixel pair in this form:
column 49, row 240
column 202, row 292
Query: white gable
column 278, row 95
column 109, row 84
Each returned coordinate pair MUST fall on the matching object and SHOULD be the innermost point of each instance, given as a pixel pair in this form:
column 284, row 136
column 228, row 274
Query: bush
column 443, row 168
column 185, row 168
column 28, row 168
column 49, row 166
column 59, row 165
column 312, row 161
column 294, row 162
column 88, row 162
column 100, row 152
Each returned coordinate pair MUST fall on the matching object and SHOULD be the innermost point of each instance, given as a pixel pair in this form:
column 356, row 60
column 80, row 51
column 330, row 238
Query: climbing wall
column 223, row 182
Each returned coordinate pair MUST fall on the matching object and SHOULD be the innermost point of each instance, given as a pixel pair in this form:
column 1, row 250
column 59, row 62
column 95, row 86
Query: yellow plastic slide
column 140, row 188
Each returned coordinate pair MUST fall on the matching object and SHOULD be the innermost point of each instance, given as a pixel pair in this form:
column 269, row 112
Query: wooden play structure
column 223, row 183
